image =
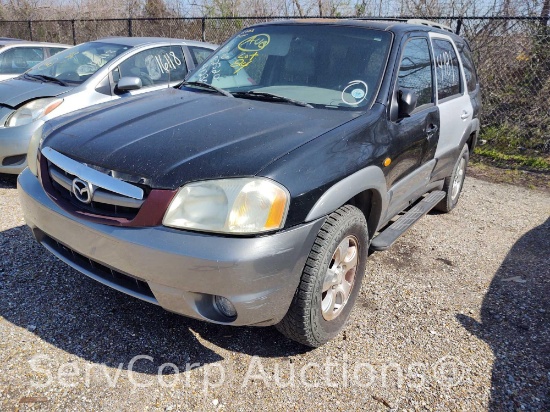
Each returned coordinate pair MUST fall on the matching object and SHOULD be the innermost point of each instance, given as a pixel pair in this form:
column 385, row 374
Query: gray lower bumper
column 182, row 269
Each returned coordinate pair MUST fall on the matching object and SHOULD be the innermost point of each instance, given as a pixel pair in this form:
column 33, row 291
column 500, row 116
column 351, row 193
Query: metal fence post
column 129, row 27
column 74, row 32
column 30, row 30
column 203, row 29
column 458, row 25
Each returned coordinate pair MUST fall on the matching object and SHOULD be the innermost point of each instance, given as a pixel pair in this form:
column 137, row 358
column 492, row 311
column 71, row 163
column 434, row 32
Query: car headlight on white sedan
column 32, row 111
column 233, row 206
column 34, row 145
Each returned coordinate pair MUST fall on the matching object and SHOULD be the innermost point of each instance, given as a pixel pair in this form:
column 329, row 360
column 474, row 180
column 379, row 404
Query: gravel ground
column 455, row 316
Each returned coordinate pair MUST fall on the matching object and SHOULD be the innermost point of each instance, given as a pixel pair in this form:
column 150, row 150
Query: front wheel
column 453, row 184
column 330, row 281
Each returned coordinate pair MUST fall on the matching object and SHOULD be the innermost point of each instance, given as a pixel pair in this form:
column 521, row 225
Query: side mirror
column 129, row 83
column 407, row 100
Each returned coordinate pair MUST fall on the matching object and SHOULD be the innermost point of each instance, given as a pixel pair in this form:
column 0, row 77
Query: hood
column 7, row 76
column 13, row 92
column 173, row 137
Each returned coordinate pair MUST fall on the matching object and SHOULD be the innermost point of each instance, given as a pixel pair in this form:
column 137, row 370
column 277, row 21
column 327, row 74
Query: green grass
column 513, row 147
column 514, row 160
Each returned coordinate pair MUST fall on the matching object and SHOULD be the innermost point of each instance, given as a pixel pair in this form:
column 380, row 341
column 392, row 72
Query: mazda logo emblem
column 83, row 191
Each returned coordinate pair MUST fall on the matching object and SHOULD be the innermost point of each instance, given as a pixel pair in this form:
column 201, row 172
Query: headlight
column 241, row 205
column 32, row 111
column 32, row 153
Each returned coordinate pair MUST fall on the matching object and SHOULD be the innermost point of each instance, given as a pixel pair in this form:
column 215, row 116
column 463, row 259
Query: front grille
column 125, row 283
column 104, row 202
column 111, row 204
column 101, row 195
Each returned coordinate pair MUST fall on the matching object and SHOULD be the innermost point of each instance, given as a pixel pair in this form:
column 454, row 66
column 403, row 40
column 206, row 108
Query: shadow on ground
column 101, row 325
column 8, row 181
column 515, row 322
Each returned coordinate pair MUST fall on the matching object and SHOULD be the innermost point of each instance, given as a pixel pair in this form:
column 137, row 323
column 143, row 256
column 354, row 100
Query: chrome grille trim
column 61, row 179
column 99, row 196
column 92, row 176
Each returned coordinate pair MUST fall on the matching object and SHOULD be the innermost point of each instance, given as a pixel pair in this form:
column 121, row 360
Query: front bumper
column 180, row 271
column 14, row 143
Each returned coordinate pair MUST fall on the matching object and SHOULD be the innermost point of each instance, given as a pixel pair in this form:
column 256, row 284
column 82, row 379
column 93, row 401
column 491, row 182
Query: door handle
column 465, row 114
column 431, row 130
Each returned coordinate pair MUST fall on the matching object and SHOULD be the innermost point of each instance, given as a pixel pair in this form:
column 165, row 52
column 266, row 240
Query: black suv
column 252, row 192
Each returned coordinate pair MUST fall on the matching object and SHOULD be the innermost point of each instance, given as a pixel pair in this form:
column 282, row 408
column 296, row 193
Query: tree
column 155, row 8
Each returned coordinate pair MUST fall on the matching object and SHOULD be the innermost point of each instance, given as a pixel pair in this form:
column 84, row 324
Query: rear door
column 452, row 97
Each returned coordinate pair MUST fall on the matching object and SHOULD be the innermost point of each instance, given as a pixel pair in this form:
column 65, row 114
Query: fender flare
column 369, row 178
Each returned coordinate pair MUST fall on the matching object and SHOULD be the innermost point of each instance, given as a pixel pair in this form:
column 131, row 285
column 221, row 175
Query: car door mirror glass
column 407, row 102
column 129, row 83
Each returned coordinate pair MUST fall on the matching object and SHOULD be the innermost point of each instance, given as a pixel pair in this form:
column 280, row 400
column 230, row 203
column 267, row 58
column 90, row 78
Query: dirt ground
column 455, row 316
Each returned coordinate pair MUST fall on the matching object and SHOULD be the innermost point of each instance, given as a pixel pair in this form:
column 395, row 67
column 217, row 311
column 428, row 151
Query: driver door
column 414, row 137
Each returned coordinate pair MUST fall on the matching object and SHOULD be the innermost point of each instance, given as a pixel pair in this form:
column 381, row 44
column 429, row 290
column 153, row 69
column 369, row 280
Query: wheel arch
column 365, row 189
column 473, row 137
column 369, row 202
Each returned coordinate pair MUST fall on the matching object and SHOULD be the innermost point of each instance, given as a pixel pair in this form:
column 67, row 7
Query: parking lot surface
column 455, row 316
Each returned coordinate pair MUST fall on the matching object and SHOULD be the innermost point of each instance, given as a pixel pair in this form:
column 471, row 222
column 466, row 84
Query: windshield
column 318, row 65
column 75, row 65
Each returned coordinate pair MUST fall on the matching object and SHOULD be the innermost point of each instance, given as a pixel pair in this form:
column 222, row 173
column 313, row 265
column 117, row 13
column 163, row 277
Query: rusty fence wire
column 512, row 56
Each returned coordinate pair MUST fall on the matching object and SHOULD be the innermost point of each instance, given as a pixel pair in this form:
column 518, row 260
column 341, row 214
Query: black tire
column 449, row 202
column 305, row 320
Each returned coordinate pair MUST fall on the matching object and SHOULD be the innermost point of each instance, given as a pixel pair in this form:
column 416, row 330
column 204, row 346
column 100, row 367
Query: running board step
column 387, row 238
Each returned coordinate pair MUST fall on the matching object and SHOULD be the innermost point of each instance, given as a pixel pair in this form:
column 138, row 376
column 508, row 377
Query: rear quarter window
column 468, row 64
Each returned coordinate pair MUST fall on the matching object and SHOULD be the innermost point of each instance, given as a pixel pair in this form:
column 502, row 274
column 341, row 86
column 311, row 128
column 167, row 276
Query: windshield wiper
column 45, row 78
column 270, row 96
column 31, row 77
column 207, row 86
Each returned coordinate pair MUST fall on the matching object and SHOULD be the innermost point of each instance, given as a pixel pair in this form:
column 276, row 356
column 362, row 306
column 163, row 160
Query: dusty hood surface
column 172, row 137
column 13, row 92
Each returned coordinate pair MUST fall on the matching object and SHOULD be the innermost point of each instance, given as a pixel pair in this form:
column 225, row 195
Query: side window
column 156, row 66
column 20, row 59
column 199, row 54
column 415, row 71
column 469, row 68
column 449, row 82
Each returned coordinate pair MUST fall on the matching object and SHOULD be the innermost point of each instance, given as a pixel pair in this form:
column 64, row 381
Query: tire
column 320, row 309
column 454, row 183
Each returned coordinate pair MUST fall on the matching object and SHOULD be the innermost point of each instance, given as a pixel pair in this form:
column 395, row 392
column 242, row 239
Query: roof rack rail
column 430, row 23
column 401, row 19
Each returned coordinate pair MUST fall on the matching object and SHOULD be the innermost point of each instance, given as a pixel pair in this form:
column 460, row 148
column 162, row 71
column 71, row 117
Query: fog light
column 225, row 307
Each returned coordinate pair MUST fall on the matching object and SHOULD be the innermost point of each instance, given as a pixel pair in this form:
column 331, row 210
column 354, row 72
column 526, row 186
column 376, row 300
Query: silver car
column 85, row 75
column 18, row 56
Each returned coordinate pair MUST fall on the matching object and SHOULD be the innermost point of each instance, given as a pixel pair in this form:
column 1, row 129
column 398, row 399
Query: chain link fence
column 512, row 56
